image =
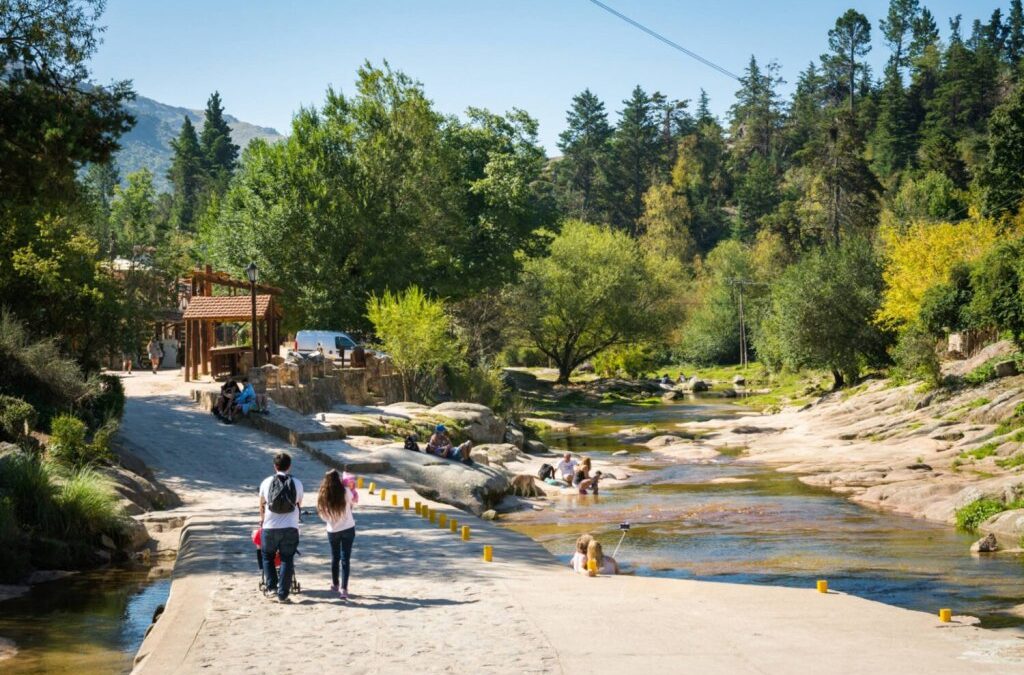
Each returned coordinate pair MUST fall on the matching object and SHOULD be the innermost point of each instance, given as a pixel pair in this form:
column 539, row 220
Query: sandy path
column 424, row 602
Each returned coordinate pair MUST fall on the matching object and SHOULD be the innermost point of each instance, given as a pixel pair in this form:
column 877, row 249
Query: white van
column 336, row 345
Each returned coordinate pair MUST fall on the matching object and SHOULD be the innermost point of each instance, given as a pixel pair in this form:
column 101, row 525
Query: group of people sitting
column 570, row 473
column 587, row 549
column 234, row 401
column 440, row 444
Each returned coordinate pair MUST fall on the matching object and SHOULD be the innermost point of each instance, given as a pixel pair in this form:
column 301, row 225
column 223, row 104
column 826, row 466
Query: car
column 336, row 345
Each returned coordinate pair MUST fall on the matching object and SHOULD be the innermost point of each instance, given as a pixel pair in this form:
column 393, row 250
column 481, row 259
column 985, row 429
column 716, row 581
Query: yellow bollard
column 592, row 568
column 425, row 511
column 405, row 503
column 454, row 525
column 945, row 615
column 488, row 554
column 822, row 586
column 373, row 486
column 419, row 507
column 394, row 499
column 383, row 494
column 465, row 533
column 433, row 515
column 359, row 482
column 442, row 520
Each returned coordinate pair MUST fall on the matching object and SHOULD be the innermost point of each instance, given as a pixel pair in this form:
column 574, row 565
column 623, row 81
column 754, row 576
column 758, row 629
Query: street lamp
column 251, row 271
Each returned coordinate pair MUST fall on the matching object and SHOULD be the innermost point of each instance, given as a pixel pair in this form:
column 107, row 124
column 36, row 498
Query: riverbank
column 424, row 600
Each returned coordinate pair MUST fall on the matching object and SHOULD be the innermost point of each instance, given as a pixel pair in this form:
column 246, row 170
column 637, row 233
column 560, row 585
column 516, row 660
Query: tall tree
column 924, row 33
column 892, row 140
column 756, row 115
column 848, row 41
column 186, row 175
column 1015, row 33
column 132, row 214
column 1000, row 177
column 585, row 144
column 219, row 153
column 896, row 26
column 851, row 202
column 637, row 146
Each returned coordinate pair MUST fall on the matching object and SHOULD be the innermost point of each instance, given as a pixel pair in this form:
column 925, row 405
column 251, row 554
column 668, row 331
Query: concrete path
column 425, row 602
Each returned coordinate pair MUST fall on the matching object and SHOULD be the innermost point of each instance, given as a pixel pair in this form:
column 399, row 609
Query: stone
column 103, row 556
column 1006, row 368
column 481, row 424
column 739, row 380
column 585, row 367
column 670, row 396
column 730, row 393
column 535, row 448
column 489, row 514
column 497, row 453
column 515, row 436
column 663, row 440
column 620, row 453
column 107, row 542
column 137, row 534
column 696, row 384
column 986, row 544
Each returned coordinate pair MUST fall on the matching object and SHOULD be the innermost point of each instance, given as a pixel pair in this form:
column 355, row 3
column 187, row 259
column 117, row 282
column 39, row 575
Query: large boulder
column 496, row 453
column 535, row 448
column 481, row 424
column 473, row 488
column 515, row 437
column 696, row 384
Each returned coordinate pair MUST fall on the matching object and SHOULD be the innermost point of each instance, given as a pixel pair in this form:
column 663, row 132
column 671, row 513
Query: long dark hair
column 330, row 502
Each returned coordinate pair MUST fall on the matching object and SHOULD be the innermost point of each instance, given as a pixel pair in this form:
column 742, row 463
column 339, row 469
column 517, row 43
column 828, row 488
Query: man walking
column 280, row 501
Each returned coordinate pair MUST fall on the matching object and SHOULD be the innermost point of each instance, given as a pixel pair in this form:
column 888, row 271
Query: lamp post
column 251, row 272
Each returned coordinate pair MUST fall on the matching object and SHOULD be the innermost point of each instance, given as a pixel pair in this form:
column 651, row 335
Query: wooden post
column 195, row 350
column 187, row 346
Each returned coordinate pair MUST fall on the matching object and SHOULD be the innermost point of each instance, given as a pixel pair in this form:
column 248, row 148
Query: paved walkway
column 424, row 602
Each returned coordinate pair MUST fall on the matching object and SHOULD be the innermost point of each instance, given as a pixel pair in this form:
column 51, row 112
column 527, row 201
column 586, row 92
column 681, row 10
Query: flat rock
column 535, row 448
column 665, row 440
column 481, row 424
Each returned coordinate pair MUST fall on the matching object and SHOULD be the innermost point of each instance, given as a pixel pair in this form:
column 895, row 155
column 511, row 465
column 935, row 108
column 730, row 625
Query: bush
column 105, row 403
column 28, row 484
column 17, row 417
column 69, row 447
column 974, row 514
column 480, row 384
column 524, row 356
column 632, row 361
column 915, row 357
column 87, row 506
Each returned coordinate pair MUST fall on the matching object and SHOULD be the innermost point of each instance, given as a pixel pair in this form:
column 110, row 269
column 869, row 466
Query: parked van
column 336, row 345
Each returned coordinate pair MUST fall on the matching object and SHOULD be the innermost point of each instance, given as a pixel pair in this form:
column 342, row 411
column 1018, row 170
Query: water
column 765, row 527
column 92, row 622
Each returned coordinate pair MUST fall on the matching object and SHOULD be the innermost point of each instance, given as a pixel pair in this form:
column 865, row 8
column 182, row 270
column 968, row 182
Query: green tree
column 996, row 286
column 186, row 176
column 585, row 148
column 893, row 139
column 637, row 147
column 896, row 26
column 595, row 290
column 848, row 41
column 821, row 313
column 1000, row 176
column 219, row 152
column 851, row 200
column 414, row 331
column 1015, row 33
column 132, row 214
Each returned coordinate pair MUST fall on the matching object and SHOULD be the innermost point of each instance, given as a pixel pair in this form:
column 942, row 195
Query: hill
column 148, row 145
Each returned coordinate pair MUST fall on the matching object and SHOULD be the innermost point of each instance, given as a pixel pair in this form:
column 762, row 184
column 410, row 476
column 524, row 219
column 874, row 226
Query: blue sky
column 268, row 58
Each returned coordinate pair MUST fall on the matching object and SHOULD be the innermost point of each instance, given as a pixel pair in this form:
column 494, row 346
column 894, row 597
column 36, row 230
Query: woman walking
column 334, row 504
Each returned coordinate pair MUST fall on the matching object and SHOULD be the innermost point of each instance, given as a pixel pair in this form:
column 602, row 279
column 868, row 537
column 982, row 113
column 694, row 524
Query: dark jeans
column 284, row 541
column 341, row 548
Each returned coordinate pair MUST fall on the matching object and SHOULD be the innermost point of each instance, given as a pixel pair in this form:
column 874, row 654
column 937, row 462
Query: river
column 727, row 520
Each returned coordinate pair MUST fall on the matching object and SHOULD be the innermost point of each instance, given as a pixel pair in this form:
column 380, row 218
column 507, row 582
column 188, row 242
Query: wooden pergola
column 205, row 311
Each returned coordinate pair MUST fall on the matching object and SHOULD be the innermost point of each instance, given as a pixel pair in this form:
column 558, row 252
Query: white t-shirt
column 346, row 520
column 276, row 521
column 565, row 468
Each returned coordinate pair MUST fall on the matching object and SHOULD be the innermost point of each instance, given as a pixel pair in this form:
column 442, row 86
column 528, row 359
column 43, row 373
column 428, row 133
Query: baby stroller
column 257, row 539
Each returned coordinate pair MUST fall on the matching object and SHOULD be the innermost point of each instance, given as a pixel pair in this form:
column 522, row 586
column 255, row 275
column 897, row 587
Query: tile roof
column 226, row 307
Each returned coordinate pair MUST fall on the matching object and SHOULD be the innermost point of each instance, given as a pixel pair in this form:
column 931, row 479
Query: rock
column 7, row 649
column 489, row 514
column 524, row 485
column 919, row 467
column 752, row 430
column 498, row 453
column 107, row 542
column 730, row 393
column 43, row 576
column 1006, row 368
column 103, row 556
column 535, row 448
column 739, row 380
column 620, row 453
column 137, row 534
column 696, row 384
column 481, row 424
column 663, row 441
column 515, row 437
column 986, row 544
column 473, row 488
column 948, row 436
column 585, row 367
column 670, row 396
column 479, row 455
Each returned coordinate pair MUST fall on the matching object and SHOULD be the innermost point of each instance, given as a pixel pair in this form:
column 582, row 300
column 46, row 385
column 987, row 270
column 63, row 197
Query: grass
column 978, row 402
column 974, row 514
column 982, row 452
column 1012, row 461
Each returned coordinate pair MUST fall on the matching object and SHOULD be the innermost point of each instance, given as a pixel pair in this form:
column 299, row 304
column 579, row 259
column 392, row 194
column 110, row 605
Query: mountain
column 148, row 144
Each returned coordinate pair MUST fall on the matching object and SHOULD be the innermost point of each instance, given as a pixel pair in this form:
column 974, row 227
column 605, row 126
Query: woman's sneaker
column 343, row 594
column 334, row 589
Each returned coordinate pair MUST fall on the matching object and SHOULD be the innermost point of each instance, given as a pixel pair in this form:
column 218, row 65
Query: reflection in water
column 89, row 623
column 766, row 527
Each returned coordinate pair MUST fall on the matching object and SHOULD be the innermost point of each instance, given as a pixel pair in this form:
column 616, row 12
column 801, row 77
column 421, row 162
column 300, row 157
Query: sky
column 269, row 58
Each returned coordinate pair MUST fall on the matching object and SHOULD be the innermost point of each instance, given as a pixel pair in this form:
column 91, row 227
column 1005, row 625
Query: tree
column 414, row 331
column 848, row 40
column 665, row 225
column 1000, row 176
column 585, row 146
column 996, row 286
column 1015, row 33
column 132, row 212
column 924, row 33
column 851, row 201
column 821, row 310
column 945, row 307
column 219, row 152
column 893, row 139
column 595, row 290
column 637, row 146
column 186, row 175
column 895, row 27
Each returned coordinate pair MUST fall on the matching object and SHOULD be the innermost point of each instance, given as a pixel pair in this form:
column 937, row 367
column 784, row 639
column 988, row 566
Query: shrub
column 104, row 403
column 479, row 384
column 986, row 372
column 915, row 357
column 87, row 506
column 633, row 361
column 69, row 447
column 27, row 483
column 17, row 417
column 974, row 514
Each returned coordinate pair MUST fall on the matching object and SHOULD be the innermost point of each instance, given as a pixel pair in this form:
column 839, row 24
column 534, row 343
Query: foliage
column 414, row 331
column 996, row 285
column 820, row 313
column 479, row 384
column 921, row 256
column 87, row 505
column 915, row 357
column 69, row 446
column 999, row 178
column 630, row 360
column 595, row 290
column 974, row 514
column 16, row 417
column 946, row 307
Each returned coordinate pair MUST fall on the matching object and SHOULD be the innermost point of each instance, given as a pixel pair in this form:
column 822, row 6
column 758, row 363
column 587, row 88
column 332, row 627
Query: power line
column 662, row 38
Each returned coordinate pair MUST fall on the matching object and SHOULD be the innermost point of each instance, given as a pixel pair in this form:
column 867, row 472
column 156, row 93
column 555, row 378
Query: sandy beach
column 424, row 601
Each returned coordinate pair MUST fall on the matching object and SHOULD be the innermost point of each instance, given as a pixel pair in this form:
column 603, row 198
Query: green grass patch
column 978, row 402
column 982, row 452
column 974, row 514
column 1011, row 462
column 731, row 450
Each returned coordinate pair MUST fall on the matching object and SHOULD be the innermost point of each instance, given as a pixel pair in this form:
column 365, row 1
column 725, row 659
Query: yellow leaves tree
column 921, row 255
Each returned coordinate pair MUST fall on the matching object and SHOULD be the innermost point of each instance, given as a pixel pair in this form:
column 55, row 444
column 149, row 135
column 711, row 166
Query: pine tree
column 1015, row 33
column 704, row 108
column 637, row 147
column 924, row 34
column 1000, row 177
column 186, row 176
column 756, row 115
column 895, row 27
column 219, row 153
column 892, row 140
column 585, row 146
column 848, row 41
column 805, row 113
column 851, row 202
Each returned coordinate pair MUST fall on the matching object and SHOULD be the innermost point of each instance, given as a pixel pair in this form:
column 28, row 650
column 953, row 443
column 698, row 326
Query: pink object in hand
column 349, row 481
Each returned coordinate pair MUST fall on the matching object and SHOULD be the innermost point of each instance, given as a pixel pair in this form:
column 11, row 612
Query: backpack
column 281, row 495
column 546, row 471
column 410, row 443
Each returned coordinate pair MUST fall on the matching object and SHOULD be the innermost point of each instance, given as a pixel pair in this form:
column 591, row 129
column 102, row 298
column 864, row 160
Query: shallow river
column 768, row 529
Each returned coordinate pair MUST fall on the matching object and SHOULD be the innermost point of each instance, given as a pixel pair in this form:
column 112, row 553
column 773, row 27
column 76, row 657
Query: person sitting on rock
column 245, row 401
column 439, row 443
column 566, row 468
column 228, row 392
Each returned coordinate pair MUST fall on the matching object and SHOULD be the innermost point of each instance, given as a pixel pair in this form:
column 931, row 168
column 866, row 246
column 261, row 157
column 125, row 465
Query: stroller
column 257, row 539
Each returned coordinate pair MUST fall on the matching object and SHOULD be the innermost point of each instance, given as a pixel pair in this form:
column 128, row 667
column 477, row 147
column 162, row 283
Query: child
column 605, row 563
column 579, row 558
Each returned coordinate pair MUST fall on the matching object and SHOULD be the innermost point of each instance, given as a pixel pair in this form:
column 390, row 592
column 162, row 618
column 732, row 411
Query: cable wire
column 670, row 43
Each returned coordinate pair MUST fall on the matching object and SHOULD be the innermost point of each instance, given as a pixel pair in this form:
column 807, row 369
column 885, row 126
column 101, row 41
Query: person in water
column 605, row 563
column 578, row 563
